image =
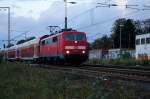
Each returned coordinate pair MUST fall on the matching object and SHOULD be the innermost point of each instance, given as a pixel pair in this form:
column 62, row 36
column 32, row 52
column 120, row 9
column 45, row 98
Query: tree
column 130, row 30
column 143, row 26
column 125, row 28
column 89, row 45
column 147, row 25
column 102, row 43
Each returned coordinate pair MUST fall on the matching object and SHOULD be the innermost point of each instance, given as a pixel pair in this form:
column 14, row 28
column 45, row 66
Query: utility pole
column 121, row 36
column 121, row 39
column 8, row 9
column 66, row 14
column 8, row 26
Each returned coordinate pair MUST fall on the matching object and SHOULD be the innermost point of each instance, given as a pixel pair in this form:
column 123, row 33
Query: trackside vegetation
column 123, row 62
column 19, row 81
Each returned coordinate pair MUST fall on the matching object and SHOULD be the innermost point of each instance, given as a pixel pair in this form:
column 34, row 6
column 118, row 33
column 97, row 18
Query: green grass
column 126, row 62
column 18, row 81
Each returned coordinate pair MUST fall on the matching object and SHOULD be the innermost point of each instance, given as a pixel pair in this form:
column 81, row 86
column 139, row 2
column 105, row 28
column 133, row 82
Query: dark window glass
column 74, row 37
column 69, row 37
column 43, row 42
column 143, row 41
column 138, row 42
column 55, row 39
column 80, row 37
column 148, row 40
column 48, row 41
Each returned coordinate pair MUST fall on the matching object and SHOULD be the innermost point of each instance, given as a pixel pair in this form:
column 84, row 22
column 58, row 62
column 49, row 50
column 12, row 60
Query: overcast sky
column 34, row 16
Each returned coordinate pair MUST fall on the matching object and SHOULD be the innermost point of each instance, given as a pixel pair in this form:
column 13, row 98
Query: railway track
column 104, row 73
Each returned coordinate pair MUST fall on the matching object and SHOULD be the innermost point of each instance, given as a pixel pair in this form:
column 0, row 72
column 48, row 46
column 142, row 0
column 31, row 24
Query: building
column 143, row 46
column 95, row 54
column 110, row 54
column 116, row 53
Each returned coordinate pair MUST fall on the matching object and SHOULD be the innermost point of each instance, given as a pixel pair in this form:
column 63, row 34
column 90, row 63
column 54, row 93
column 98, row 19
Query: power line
column 106, row 22
column 129, row 6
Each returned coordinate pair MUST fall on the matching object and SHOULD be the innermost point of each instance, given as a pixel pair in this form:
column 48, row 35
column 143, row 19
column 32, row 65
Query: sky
column 34, row 16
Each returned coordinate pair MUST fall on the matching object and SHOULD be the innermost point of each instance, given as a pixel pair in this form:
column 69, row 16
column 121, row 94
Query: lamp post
column 121, row 35
column 8, row 9
column 121, row 39
column 66, row 13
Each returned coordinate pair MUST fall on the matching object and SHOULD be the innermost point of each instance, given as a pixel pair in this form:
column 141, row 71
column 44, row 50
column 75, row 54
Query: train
column 63, row 47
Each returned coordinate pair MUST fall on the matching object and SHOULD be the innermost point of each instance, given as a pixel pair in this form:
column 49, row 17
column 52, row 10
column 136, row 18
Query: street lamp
column 121, row 36
column 8, row 9
column 66, row 13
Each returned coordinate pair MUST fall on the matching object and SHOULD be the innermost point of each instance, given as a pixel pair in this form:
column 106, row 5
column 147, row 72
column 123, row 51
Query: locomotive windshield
column 74, row 37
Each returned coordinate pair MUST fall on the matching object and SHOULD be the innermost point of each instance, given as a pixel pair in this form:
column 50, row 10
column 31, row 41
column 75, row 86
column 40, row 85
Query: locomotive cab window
column 69, row 36
column 74, row 37
column 79, row 37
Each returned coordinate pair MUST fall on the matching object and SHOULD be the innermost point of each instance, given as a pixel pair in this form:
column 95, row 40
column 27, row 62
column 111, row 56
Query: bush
column 126, row 55
column 143, row 62
column 128, row 62
column 0, row 60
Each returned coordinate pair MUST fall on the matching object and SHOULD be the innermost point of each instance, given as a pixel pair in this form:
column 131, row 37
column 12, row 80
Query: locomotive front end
column 75, row 47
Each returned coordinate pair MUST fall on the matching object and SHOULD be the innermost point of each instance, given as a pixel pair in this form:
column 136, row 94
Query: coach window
column 55, row 39
column 148, row 40
column 138, row 42
column 143, row 41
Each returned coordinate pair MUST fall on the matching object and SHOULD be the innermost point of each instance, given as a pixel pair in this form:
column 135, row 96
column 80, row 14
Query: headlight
column 67, row 52
column 83, row 52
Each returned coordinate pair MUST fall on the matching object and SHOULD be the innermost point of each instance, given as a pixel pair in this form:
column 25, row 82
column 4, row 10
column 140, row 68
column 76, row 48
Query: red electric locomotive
column 67, row 46
column 63, row 47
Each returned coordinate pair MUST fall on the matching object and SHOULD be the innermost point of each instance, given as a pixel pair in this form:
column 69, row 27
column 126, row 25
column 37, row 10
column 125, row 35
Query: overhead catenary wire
column 106, row 22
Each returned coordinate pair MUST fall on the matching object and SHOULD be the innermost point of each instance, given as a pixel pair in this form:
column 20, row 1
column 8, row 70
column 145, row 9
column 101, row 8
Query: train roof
column 28, row 43
column 62, row 32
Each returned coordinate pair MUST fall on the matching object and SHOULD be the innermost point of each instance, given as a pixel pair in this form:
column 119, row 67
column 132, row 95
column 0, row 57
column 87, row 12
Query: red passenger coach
column 11, row 53
column 29, row 50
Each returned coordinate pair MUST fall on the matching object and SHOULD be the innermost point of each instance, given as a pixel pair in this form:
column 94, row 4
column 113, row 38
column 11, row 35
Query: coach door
column 55, row 45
